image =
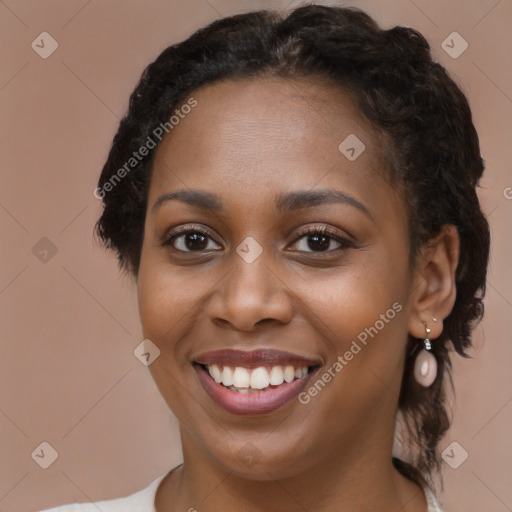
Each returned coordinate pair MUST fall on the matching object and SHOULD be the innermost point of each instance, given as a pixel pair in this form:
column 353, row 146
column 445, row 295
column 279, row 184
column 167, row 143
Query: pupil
column 195, row 241
column 321, row 241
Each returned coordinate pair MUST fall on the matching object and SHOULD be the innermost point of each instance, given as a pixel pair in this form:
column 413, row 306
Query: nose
column 249, row 295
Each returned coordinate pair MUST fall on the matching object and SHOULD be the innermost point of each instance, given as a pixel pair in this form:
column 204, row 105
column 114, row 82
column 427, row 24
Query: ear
column 433, row 290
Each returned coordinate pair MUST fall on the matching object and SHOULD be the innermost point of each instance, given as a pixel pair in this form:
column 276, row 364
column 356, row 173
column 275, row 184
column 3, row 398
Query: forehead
column 262, row 135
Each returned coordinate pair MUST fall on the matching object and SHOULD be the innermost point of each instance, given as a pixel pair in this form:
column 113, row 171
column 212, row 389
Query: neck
column 353, row 478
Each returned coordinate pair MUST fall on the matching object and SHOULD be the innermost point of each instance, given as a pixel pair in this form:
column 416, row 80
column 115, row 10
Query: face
column 277, row 292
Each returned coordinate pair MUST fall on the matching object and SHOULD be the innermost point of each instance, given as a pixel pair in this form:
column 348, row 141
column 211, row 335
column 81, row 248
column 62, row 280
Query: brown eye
column 191, row 240
column 321, row 239
column 319, row 242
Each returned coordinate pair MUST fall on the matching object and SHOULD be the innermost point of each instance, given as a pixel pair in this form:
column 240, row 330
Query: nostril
column 264, row 320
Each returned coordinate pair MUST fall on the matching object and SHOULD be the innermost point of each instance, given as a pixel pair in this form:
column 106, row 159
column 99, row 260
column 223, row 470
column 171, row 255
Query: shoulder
column 432, row 502
column 140, row 500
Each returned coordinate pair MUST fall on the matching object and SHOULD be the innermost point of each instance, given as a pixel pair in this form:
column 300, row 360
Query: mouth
column 255, row 382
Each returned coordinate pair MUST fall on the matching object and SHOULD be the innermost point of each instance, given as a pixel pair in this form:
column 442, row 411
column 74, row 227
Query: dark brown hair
column 418, row 109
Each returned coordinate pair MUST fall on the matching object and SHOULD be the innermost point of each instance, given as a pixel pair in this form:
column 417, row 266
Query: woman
column 295, row 198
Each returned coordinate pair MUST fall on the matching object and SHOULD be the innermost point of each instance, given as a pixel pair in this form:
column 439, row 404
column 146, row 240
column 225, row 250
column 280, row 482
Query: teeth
column 215, row 373
column 243, row 380
column 227, row 376
column 259, row 378
column 241, row 377
column 276, row 376
column 289, row 373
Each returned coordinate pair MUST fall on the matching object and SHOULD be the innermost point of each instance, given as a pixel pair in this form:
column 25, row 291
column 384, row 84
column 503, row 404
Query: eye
column 190, row 239
column 321, row 239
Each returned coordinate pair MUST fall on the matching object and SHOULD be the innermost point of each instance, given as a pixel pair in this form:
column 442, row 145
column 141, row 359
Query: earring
column 425, row 366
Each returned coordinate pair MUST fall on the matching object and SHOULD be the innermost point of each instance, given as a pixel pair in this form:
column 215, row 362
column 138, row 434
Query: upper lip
column 254, row 358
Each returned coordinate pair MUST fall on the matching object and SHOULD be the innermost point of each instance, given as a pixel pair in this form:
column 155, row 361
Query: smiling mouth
column 255, row 380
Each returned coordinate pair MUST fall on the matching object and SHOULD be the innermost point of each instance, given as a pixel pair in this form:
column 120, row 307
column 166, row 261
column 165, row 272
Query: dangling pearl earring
column 425, row 366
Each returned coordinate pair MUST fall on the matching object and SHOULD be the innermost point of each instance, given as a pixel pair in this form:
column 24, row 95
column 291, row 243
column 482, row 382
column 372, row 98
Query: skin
column 247, row 142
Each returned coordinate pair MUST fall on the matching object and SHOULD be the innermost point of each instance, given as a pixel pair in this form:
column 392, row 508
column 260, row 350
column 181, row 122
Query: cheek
column 353, row 299
column 361, row 313
column 362, row 317
column 166, row 299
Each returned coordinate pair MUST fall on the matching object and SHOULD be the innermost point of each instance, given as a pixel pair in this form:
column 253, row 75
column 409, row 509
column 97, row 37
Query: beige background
column 69, row 325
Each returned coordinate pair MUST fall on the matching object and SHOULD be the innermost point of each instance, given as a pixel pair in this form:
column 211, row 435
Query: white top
column 144, row 501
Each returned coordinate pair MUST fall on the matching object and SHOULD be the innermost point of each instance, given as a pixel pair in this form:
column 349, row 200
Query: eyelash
column 183, row 230
column 344, row 242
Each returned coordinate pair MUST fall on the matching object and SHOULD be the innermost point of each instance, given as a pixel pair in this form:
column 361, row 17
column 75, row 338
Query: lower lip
column 250, row 403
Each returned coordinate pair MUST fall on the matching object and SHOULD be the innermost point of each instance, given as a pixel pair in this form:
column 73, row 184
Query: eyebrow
column 197, row 198
column 307, row 198
column 284, row 203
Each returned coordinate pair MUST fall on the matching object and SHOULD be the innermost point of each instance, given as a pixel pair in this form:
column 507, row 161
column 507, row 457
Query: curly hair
column 432, row 154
